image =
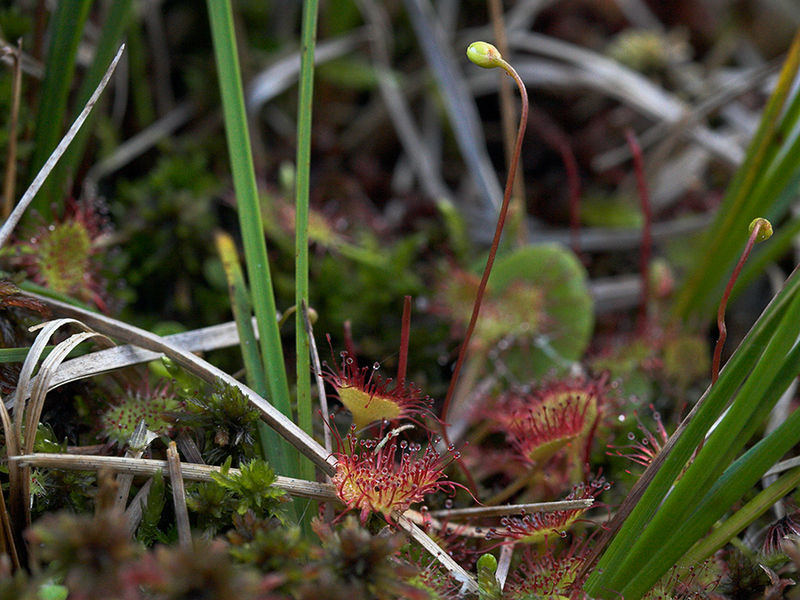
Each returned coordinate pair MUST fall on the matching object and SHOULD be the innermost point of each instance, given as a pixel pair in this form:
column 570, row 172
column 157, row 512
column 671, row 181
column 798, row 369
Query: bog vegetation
column 298, row 302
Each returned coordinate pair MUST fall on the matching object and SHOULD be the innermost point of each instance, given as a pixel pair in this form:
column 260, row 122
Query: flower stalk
column 760, row 230
column 487, row 56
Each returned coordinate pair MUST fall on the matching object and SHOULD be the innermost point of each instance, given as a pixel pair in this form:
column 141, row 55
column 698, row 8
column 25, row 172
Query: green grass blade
column 255, row 247
column 111, row 33
column 726, row 439
column 65, row 30
column 700, row 292
column 733, row 484
column 672, row 459
column 142, row 101
column 271, row 449
column 12, row 355
column 304, row 106
column 742, row 518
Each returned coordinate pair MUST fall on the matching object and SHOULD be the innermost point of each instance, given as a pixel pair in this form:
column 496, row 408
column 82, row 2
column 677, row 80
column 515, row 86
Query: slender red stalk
column 647, row 240
column 574, row 186
column 501, row 219
column 760, row 229
column 487, row 56
column 349, row 345
column 554, row 136
column 405, row 329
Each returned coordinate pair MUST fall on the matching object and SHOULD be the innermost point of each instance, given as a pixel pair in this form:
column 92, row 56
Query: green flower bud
column 484, row 55
column 765, row 232
column 487, row 562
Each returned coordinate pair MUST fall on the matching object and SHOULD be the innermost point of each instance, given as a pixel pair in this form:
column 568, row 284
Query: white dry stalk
column 323, row 398
column 456, row 570
column 504, row 564
column 143, row 467
column 104, row 361
column 49, row 165
column 512, row 509
column 35, row 406
column 18, row 484
column 179, row 496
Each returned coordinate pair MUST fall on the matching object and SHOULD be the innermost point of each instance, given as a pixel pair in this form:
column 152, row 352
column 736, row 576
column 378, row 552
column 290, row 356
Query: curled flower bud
column 484, row 55
column 766, row 229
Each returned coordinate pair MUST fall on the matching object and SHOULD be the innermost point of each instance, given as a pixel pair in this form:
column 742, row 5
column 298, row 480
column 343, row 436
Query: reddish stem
column 405, row 329
column 647, row 240
column 554, row 136
column 723, row 331
column 501, row 219
column 574, row 186
column 349, row 346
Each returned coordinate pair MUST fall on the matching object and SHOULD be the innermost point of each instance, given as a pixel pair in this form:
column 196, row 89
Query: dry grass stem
column 141, row 466
column 49, row 165
column 323, row 398
column 179, row 496
column 104, row 361
column 504, row 564
column 479, row 512
column 455, row 570
column 136, row 446
column 135, row 510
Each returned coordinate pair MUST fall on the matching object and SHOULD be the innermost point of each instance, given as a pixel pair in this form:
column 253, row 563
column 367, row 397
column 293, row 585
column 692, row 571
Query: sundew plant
column 577, row 383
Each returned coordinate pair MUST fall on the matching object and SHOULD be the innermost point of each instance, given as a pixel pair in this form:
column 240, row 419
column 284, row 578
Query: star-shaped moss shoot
column 384, row 475
column 371, row 398
column 542, row 422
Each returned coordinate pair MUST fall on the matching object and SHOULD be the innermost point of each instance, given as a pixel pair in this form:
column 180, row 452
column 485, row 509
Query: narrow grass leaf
column 710, row 462
column 65, row 31
column 733, row 484
column 644, row 500
column 700, row 292
column 303, row 167
column 255, row 248
column 271, row 448
column 742, row 518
